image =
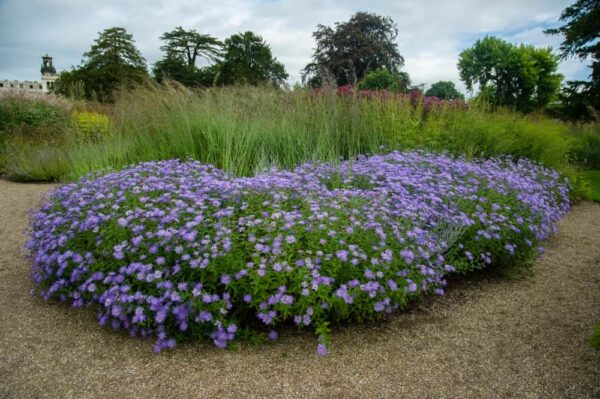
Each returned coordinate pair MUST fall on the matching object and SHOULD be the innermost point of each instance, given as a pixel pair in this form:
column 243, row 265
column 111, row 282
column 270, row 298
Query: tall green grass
column 247, row 129
column 593, row 177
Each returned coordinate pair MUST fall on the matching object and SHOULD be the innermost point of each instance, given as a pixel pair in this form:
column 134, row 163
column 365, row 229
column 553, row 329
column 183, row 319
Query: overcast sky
column 431, row 33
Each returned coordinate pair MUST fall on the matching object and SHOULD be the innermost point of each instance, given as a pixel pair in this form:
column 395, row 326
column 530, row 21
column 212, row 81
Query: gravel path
column 487, row 338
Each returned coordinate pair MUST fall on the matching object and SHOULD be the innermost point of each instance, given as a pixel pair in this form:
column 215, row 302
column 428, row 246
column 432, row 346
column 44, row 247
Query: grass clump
column 593, row 177
column 246, row 130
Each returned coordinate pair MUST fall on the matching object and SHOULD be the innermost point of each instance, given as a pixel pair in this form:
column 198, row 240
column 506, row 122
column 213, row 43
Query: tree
column 182, row 49
column 444, row 90
column 350, row 50
column 248, row 59
column 189, row 44
column 382, row 79
column 176, row 69
column 522, row 77
column 581, row 31
column 113, row 61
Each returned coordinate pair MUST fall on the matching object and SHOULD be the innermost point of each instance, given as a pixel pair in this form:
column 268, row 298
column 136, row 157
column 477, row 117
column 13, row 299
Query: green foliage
column 574, row 103
column 595, row 338
column 579, row 186
column 18, row 111
column 28, row 160
column 182, row 49
column 351, row 49
column 248, row 129
column 91, row 126
column 523, row 77
column 586, row 151
column 188, row 45
column 444, row 90
column 114, row 46
column 247, row 59
column 382, row 79
column 176, row 69
column 581, row 31
column 25, row 121
column 593, row 178
column 112, row 62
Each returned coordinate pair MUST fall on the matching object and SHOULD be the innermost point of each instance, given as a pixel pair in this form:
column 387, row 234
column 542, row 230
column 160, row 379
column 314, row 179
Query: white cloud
column 431, row 34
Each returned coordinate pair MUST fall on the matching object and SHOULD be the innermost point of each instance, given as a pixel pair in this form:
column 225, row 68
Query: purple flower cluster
column 180, row 249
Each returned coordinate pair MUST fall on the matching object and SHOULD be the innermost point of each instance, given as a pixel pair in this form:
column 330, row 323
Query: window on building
column 12, row 85
column 40, row 87
column 20, row 85
column 1, row 84
column 31, row 86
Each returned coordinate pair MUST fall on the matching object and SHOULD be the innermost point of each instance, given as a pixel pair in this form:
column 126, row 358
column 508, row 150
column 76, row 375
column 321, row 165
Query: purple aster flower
column 321, row 349
column 342, row 255
column 204, row 316
column 408, row 256
column 392, row 285
column 412, row 287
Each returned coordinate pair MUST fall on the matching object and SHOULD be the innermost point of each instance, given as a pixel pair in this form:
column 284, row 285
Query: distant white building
column 49, row 76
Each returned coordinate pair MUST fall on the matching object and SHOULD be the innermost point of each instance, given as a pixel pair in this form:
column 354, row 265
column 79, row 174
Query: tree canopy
column 113, row 61
column 351, row 49
column 581, row 31
column 382, row 79
column 444, row 90
column 182, row 49
column 521, row 77
column 247, row 59
column 189, row 45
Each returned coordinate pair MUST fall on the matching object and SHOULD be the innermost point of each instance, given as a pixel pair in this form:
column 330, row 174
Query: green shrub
column 91, row 126
column 382, row 79
column 32, row 129
column 592, row 179
column 586, row 151
column 30, row 110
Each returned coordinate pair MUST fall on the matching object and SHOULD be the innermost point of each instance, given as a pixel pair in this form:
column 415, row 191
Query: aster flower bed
column 178, row 250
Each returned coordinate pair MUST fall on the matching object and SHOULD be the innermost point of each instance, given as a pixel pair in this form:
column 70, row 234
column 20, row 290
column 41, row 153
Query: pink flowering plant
column 180, row 250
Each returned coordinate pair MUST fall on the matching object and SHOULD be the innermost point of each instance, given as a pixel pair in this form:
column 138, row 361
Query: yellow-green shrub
column 91, row 126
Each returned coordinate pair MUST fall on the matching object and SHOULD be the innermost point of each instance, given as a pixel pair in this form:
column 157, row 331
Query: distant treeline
column 360, row 52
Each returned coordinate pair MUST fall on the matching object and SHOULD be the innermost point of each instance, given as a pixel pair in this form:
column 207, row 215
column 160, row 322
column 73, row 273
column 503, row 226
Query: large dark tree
column 247, row 59
column 112, row 62
column 189, row 45
column 182, row 49
column 172, row 68
column 581, row 32
column 521, row 77
column 351, row 49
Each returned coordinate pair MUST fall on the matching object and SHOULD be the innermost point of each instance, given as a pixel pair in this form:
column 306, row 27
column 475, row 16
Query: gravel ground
column 486, row 338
